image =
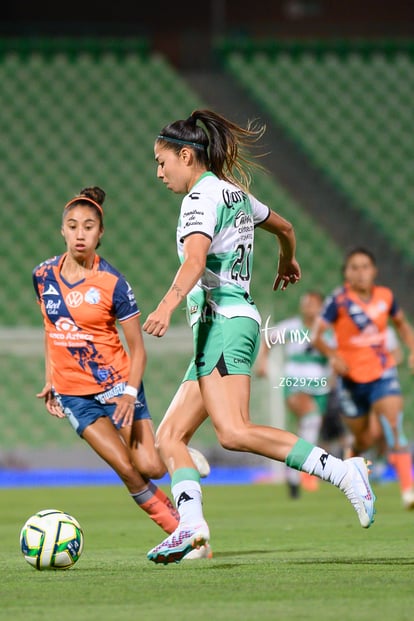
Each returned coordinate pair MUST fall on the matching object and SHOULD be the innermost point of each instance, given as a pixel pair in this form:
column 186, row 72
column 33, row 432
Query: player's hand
column 124, row 411
column 288, row 272
column 338, row 364
column 158, row 322
column 51, row 403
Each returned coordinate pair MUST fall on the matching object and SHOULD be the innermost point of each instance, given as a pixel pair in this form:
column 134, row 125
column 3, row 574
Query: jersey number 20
column 241, row 266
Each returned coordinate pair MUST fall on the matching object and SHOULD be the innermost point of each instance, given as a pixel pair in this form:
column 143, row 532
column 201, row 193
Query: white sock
column 188, row 499
column 309, row 427
column 325, row 466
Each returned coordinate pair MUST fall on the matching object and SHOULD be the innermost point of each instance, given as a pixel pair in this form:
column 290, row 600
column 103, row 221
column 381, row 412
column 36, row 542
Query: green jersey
column 227, row 216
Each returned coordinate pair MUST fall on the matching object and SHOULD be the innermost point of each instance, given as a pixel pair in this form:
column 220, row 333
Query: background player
column 359, row 313
column 90, row 377
column 306, row 377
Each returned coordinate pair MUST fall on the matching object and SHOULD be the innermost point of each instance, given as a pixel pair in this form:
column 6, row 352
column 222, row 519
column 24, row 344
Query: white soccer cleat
column 357, row 489
column 407, row 498
column 204, row 551
column 179, row 543
column 200, row 462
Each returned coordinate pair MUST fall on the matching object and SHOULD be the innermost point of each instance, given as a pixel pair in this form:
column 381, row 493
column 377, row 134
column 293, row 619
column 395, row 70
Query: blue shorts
column 83, row 411
column 357, row 399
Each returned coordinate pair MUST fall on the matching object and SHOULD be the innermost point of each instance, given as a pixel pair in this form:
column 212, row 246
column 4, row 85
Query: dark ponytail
column 220, row 145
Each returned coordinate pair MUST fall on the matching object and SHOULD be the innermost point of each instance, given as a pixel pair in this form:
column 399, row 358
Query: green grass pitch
column 274, row 559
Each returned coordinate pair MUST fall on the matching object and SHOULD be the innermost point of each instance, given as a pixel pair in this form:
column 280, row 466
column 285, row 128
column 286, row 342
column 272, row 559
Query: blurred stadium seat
column 72, row 119
column 88, row 115
column 349, row 108
column 83, row 115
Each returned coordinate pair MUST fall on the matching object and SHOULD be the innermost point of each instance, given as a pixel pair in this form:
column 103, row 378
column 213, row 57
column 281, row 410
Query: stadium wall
column 186, row 35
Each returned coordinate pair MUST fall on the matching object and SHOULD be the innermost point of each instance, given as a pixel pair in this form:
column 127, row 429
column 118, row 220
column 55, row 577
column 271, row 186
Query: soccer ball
column 51, row 539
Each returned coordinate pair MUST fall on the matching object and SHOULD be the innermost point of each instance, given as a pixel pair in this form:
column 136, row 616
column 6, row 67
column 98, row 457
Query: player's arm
column 125, row 407
column 47, row 393
column 195, row 251
column 288, row 270
column 393, row 345
column 137, row 353
column 406, row 334
column 318, row 341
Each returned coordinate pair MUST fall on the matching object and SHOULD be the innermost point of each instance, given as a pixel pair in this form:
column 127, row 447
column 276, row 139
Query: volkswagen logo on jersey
column 74, row 299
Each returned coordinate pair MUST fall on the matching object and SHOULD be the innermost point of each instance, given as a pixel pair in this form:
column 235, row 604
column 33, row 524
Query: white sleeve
column 260, row 210
column 198, row 215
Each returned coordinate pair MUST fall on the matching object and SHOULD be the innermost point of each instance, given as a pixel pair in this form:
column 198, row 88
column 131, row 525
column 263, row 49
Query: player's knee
column 152, row 469
column 167, row 435
column 163, row 439
column 149, row 464
column 232, row 439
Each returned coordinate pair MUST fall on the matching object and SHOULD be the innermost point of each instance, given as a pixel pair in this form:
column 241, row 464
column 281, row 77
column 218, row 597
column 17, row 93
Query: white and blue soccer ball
column 51, row 539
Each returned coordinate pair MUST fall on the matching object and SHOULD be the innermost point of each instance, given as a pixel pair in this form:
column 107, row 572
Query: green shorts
column 228, row 345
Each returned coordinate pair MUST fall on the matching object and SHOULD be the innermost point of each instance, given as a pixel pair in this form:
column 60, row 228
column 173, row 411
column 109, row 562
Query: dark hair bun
column 95, row 193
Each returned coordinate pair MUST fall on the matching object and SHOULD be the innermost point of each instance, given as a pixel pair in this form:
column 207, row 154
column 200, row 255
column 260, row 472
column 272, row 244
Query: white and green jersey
column 306, row 367
column 226, row 215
